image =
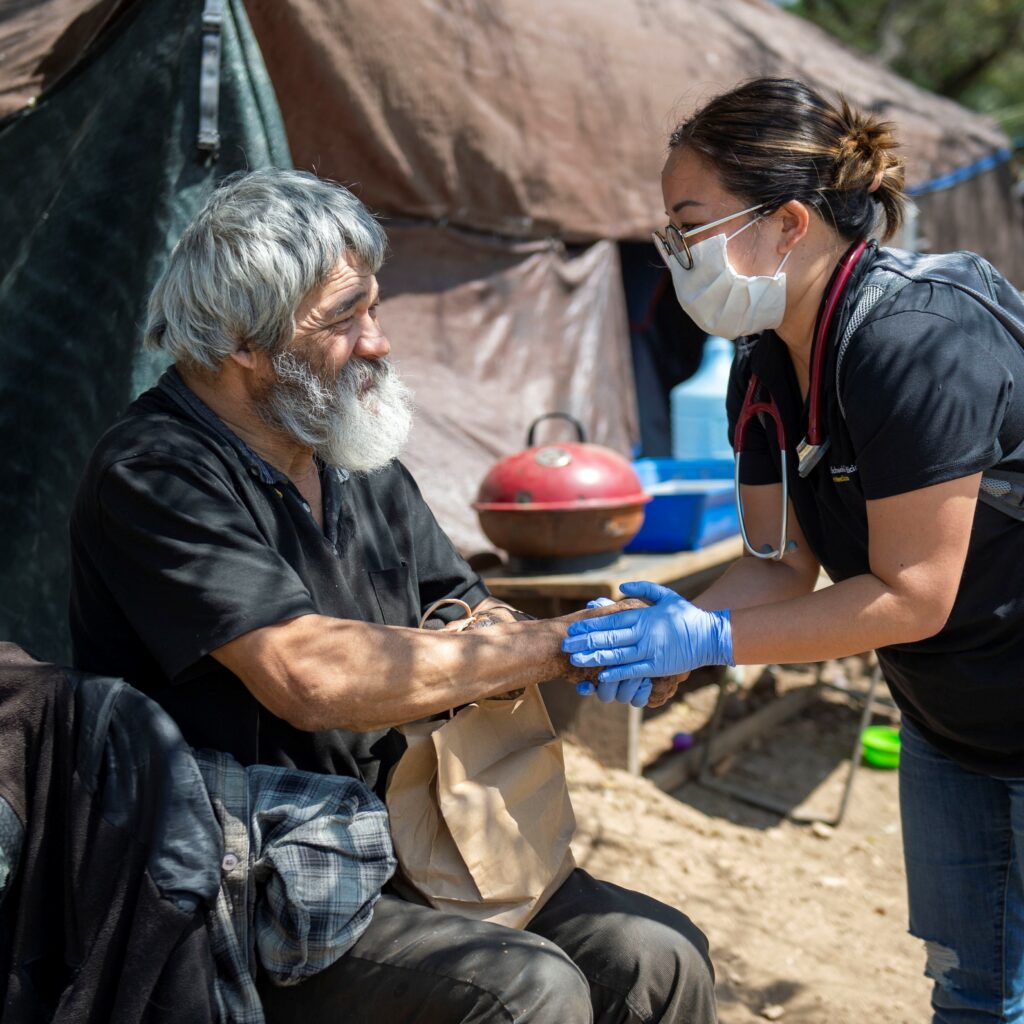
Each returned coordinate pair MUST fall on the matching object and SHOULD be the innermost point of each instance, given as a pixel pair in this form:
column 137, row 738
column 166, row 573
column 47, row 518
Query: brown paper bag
column 480, row 813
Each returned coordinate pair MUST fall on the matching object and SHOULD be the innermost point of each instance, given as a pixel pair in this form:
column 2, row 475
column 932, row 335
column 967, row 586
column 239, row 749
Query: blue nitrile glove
column 632, row 691
column 670, row 637
column 586, row 688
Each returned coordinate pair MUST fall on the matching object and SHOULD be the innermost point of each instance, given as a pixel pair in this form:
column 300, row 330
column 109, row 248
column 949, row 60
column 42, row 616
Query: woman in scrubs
column 877, row 397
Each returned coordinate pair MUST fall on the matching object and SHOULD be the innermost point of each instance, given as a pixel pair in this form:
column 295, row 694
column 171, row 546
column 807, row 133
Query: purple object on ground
column 682, row 741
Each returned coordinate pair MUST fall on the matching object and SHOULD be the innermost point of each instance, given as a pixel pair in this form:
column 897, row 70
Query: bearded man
column 248, row 551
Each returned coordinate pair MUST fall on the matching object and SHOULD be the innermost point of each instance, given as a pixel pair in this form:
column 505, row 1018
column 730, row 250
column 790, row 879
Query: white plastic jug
column 700, row 425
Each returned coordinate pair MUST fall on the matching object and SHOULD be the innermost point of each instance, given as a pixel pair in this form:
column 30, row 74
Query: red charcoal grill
column 561, row 507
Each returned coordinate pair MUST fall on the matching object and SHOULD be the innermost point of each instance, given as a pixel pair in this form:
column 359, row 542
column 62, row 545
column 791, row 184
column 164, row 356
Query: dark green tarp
column 97, row 180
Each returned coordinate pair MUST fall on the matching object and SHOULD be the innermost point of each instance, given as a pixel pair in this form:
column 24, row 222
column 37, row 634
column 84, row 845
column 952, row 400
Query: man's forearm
column 322, row 673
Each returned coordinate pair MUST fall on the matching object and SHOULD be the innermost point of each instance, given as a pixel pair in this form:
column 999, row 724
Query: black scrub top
column 182, row 538
column 933, row 389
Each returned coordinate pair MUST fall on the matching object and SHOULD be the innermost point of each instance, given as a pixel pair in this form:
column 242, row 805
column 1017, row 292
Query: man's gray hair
column 263, row 240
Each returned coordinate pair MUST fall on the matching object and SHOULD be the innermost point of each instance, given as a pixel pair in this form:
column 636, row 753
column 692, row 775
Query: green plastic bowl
column 881, row 746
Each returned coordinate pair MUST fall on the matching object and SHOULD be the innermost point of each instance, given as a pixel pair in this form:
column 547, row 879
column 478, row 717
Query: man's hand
column 669, row 637
column 664, row 689
column 488, row 612
column 654, row 694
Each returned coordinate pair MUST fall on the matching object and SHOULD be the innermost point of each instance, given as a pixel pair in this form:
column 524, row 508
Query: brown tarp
column 981, row 214
column 492, row 334
column 42, row 40
column 530, row 118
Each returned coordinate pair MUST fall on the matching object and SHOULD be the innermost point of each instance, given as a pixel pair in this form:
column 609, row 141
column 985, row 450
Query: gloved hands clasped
column 668, row 638
column 634, row 691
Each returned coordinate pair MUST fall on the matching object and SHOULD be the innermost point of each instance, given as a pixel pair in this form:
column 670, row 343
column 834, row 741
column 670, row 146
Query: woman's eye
column 373, row 310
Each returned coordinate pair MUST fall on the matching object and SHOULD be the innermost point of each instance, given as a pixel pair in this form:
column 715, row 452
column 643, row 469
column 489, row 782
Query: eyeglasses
column 675, row 241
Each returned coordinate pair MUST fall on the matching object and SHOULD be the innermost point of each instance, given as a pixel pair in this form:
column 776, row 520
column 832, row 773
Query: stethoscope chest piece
column 809, row 455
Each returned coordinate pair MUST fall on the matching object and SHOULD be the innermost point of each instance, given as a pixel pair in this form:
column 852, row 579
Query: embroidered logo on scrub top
column 842, row 474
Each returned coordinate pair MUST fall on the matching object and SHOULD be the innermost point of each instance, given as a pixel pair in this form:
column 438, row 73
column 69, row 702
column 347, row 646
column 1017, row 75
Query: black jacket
column 111, row 851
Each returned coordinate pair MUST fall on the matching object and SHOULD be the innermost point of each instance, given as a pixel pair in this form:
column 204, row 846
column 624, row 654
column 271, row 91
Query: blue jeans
column 962, row 839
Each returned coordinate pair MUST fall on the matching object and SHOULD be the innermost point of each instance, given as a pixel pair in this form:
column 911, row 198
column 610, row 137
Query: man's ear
column 247, row 358
column 796, row 219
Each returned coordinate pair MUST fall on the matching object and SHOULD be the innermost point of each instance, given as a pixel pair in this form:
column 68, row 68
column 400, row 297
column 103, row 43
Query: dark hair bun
column 865, row 156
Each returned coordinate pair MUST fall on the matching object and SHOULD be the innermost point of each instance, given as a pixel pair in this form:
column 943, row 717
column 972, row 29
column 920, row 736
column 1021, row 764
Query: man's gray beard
column 361, row 433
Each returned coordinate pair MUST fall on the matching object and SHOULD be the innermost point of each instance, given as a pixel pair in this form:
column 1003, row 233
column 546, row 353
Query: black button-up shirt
column 183, row 538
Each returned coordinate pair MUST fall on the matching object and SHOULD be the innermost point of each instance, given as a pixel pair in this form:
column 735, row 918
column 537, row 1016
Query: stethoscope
column 813, row 446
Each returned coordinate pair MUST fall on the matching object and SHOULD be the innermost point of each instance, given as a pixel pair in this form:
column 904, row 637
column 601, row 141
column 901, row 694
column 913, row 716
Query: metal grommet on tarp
column 208, row 139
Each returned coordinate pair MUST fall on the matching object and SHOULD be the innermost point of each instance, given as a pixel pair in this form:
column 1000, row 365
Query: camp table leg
column 705, row 777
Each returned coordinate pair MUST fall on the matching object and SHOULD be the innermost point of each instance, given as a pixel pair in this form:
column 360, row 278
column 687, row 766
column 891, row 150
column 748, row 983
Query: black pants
column 595, row 952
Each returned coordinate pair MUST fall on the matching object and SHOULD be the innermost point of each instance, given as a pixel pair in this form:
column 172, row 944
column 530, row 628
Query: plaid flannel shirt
column 305, row 857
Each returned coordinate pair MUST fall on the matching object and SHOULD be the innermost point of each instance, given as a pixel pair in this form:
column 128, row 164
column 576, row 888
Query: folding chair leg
column 865, row 718
column 726, row 685
column 709, row 780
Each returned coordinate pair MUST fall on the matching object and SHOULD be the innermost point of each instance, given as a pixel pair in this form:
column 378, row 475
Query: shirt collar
column 175, row 388
column 185, row 398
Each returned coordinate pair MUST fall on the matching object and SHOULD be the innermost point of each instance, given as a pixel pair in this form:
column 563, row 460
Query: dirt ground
column 806, row 924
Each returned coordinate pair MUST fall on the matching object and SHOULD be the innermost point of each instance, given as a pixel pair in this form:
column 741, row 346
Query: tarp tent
column 98, row 177
column 532, row 120
column 529, row 118
column 43, row 40
column 510, row 145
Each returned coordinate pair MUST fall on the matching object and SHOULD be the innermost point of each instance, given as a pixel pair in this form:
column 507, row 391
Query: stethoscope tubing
column 775, row 554
column 813, row 442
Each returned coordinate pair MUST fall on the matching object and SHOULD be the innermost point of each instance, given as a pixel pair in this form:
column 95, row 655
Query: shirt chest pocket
column 396, row 599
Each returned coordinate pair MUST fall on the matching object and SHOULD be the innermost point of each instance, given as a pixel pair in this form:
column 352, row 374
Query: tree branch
column 957, row 82
column 891, row 42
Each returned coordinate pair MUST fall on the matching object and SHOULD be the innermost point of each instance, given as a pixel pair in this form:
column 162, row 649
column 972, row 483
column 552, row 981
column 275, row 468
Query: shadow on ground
column 803, row 763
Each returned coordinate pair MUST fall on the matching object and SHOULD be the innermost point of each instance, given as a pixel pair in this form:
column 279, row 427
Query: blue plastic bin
column 692, row 504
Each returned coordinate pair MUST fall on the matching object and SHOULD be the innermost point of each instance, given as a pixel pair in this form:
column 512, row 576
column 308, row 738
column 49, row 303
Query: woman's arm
column 917, row 548
column 754, row 581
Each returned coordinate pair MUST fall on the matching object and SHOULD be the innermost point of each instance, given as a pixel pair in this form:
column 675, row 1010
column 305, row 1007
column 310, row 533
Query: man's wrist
column 498, row 611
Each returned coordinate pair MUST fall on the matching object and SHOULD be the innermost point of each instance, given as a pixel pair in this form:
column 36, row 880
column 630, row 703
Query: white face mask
column 718, row 299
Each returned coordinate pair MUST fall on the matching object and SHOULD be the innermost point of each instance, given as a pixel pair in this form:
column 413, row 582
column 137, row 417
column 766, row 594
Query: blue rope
column 961, row 174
